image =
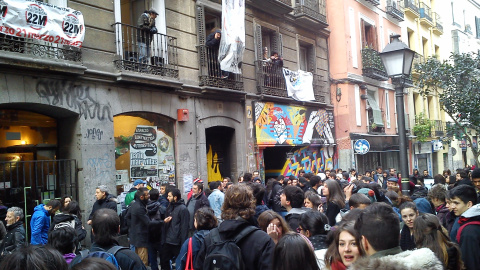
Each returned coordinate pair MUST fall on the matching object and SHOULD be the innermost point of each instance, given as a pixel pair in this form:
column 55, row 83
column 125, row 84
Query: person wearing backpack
column 105, row 228
column 156, row 213
column 236, row 243
column 71, row 215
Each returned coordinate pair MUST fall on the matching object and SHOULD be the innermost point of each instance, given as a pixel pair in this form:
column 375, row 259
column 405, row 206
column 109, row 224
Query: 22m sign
column 36, row 16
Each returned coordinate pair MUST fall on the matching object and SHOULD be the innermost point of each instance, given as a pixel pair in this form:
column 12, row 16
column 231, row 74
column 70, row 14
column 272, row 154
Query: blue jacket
column 197, row 242
column 39, row 224
column 216, row 199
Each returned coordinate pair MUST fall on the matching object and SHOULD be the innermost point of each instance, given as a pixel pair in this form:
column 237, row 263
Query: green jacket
column 130, row 197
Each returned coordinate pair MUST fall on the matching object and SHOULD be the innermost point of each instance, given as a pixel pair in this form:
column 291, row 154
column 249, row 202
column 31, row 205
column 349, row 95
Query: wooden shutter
column 257, row 32
column 373, row 35
column 362, row 32
column 311, row 58
column 277, row 43
column 200, row 20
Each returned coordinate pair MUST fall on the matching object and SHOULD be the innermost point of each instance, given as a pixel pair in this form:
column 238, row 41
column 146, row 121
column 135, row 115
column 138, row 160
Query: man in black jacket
column 104, row 200
column 238, row 209
column 105, row 228
column 146, row 30
column 175, row 229
column 138, row 221
column 15, row 237
column 197, row 201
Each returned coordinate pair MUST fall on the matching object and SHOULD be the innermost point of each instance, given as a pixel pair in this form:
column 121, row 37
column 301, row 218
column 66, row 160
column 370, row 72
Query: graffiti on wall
column 213, row 166
column 277, row 124
column 310, row 159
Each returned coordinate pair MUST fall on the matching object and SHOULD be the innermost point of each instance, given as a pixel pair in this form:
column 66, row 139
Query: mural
column 310, row 159
column 277, row 124
column 213, row 170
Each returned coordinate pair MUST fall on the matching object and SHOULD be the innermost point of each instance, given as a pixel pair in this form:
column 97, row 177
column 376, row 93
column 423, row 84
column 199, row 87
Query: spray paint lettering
column 310, row 159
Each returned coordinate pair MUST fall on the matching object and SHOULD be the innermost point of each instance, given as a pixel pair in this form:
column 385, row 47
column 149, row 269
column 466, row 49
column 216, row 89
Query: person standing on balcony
column 213, row 45
column 147, row 28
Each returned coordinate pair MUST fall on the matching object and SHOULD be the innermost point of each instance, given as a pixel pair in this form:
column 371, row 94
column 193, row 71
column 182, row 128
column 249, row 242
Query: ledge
column 134, row 77
column 32, row 62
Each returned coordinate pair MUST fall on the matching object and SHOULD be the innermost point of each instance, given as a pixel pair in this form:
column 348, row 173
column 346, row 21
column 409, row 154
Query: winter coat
column 407, row 242
column 156, row 213
column 293, row 217
column 39, row 225
column 259, row 209
column 320, row 247
column 163, row 200
column 109, row 202
column 442, row 212
column 81, row 232
column 200, row 202
column 126, row 258
column 130, row 196
column 394, row 259
column 277, row 204
column 175, row 232
column 257, row 247
column 14, row 239
column 146, row 25
column 470, row 238
column 138, row 221
column 197, row 242
column 332, row 211
column 212, row 42
column 419, row 192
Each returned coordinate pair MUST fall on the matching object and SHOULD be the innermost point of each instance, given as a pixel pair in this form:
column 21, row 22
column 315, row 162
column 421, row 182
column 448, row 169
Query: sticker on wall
column 143, row 152
column 166, row 156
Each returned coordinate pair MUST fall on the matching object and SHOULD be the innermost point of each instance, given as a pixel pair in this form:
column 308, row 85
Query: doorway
column 221, row 152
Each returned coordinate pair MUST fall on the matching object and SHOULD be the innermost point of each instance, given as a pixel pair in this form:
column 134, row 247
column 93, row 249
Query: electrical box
column 182, row 115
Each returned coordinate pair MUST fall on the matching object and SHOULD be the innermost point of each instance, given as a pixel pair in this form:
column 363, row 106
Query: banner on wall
column 42, row 21
column 166, row 157
column 299, row 84
column 232, row 43
column 143, row 152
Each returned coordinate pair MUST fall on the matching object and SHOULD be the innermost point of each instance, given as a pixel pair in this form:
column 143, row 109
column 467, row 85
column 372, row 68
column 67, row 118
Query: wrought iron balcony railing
column 310, row 12
column 411, row 7
column 275, row 7
column 394, row 8
column 426, row 13
column 438, row 23
column 39, row 48
column 270, row 81
column 438, row 128
column 374, row 2
column 154, row 54
column 372, row 65
column 212, row 75
column 418, row 59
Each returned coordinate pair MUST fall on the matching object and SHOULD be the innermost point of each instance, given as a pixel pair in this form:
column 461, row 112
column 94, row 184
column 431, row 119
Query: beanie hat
column 369, row 193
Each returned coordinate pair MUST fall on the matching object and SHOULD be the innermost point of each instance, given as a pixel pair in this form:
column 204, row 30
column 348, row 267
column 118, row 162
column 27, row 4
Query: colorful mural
column 277, row 124
column 310, row 159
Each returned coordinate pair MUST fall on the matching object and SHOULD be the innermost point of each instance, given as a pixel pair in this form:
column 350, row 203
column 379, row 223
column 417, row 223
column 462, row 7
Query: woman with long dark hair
column 71, row 213
column 314, row 225
column 428, row 233
column 409, row 213
column 345, row 248
column 335, row 200
column 293, row 251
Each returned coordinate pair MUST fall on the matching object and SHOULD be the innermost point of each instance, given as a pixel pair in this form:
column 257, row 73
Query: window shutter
column 477, row 26
column 362, row 32
column 257, row 31
column 277, row 43
column 374, row 38
column 311, row 59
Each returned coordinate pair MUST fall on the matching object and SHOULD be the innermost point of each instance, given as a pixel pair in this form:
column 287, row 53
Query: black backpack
column 225, row 254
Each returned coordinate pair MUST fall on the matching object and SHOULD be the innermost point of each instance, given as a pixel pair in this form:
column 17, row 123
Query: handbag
column 189, row 263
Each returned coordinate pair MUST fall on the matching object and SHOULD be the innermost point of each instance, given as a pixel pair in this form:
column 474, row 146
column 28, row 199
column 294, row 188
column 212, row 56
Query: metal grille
column 213, row 75
column 39, row 48
column 158, row 55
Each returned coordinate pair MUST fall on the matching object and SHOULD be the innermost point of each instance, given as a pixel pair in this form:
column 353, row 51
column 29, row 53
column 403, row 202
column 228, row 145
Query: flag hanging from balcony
column 299, row 84
column 232, row 44
column 37, row 20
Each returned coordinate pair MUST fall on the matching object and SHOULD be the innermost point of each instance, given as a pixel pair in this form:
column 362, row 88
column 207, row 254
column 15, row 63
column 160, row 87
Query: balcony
column 372, row 65
column 270, row 82
column 418, row 59
column 411, row 8
column 158, row 57
column 437, row 28
column 438, row 128
column 274, row 7
column 311, row 13
column 426, row 15
column 394, row 9
column 39, row 48
column 210, row 73
column 374, row 2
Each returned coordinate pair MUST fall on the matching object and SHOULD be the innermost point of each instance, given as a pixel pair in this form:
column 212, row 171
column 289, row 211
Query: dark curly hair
column 205, row 218
column 238, row 202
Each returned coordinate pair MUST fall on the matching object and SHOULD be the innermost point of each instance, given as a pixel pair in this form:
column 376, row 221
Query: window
column 306, row 56
column 131, row 10
column 374, row 112
column 477, row 26
column 369, row 35
column 268, row 38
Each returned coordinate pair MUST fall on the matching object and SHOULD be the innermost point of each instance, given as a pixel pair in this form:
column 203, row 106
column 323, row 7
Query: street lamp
column 397, row 58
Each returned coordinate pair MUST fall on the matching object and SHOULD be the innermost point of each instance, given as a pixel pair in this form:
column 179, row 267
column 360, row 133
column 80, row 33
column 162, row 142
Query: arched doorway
column 221, row 152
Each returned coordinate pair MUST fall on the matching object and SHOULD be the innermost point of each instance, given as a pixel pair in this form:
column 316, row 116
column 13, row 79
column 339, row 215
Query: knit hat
column 369, row 193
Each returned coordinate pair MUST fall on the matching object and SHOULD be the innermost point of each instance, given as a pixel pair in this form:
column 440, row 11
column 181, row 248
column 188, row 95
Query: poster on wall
column 42, row 21
column 166, row 157
column 143, row 152
column 278, row 124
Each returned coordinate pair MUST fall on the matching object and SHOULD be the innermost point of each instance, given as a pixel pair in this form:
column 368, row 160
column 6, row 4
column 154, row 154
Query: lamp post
column 397, row 58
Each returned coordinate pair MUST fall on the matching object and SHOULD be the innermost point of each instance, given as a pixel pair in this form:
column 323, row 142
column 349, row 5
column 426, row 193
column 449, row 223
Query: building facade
column 105, row 114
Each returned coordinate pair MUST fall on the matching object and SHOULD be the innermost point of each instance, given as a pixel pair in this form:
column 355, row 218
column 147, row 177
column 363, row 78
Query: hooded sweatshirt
column 39, row 224
column 470, row 237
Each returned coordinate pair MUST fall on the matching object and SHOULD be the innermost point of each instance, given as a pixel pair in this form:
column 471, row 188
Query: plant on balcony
column 423, row 127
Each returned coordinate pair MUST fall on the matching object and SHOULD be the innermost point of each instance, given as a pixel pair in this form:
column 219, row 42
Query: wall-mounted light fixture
column 339, row 94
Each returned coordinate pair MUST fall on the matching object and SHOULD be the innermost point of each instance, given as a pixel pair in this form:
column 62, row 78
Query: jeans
column 154, row 249
column 143, row 52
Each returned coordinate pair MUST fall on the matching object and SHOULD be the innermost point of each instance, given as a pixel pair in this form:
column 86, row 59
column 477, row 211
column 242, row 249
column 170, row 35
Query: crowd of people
column 330, row 220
